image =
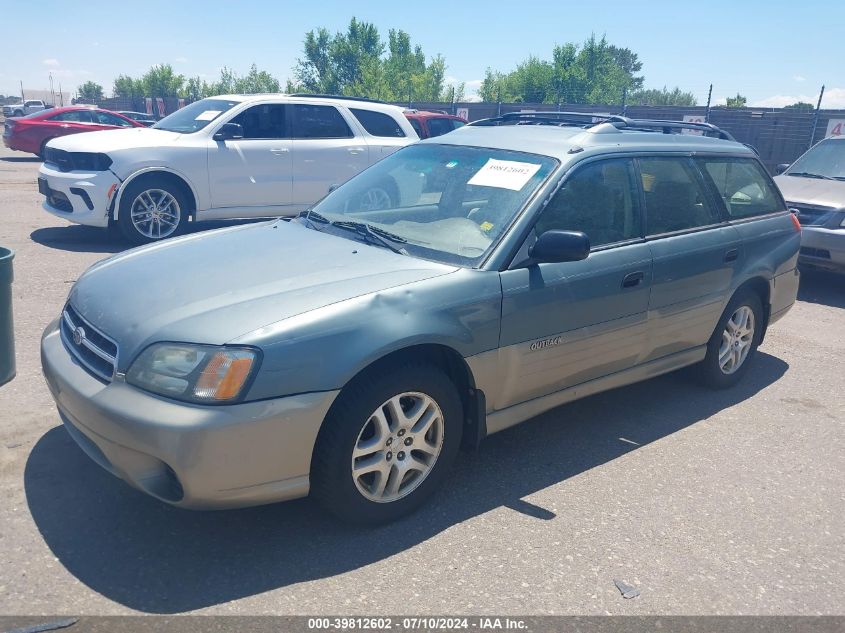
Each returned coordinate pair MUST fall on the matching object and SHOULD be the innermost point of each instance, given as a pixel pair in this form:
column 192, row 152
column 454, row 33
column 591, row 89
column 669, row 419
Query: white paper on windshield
column 208, row 115
column 504, row 174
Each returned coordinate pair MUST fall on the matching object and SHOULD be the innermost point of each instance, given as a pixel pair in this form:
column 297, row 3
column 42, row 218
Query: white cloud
column 833, row 99
column 181, row 60
column 51, row 61
column 799, row 78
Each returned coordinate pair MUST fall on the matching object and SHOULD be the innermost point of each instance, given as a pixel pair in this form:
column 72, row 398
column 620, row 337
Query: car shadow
column 21, row 159
column 154, row 558
column 90, row 239
column 822, row 287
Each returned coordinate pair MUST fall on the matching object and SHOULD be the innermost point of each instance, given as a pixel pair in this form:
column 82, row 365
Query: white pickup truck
column 22, row 109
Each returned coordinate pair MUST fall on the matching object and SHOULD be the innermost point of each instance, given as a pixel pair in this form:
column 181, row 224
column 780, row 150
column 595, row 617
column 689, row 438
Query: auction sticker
column 504, row 174
column 208, row 115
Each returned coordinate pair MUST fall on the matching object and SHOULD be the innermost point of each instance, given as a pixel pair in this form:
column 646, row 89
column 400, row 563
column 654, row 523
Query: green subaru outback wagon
column 509, row 267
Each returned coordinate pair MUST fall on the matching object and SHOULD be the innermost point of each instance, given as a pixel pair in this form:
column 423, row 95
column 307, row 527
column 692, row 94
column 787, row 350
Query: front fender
column 324, row 349
column 150, row 169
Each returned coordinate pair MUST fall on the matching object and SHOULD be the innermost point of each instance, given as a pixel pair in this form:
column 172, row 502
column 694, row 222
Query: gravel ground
column 708, row 503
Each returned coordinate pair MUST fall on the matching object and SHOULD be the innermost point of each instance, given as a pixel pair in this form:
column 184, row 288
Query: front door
column 567, row 323
column 252, row 173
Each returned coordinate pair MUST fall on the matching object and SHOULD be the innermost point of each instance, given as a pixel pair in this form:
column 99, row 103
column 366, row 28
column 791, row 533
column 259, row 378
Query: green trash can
column 7, row 331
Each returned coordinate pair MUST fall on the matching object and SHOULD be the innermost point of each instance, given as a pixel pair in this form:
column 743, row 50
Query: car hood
column 109, row 140
column 824, row 193
column 215, row 286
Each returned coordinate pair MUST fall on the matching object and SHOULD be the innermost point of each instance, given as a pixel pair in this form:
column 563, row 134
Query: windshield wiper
column 382, row 237
column 806, row 174
column 313, row 216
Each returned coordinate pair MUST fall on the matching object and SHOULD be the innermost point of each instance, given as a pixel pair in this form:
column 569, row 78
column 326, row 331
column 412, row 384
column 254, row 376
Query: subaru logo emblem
column 78, row 335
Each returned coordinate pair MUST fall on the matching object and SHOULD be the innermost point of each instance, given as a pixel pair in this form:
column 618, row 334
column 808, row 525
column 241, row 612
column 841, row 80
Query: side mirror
column 229, row 131
column 781, row 168
column 560, row 246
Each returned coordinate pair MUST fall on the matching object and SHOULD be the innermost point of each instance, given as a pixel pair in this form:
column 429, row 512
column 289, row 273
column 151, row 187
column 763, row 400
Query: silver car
column 814, row 186
column 352, row 352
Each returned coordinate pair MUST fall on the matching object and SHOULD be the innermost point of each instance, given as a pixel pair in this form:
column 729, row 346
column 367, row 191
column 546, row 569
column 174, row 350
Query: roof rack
column 587, row 120
column 343, row 97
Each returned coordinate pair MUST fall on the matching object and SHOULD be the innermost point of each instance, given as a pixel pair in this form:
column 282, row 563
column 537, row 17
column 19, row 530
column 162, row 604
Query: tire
column 168, row 218
column 727, row 372
column 18, row 113
column 408, row 475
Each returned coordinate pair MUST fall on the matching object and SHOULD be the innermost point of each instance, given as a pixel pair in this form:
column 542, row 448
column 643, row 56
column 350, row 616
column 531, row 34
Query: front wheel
column 151, row 211
column 387, row 444
column 734, row 342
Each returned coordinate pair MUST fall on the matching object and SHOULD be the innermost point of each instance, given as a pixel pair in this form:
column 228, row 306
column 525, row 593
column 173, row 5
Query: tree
column 736, row 102
column 90, row 91
column 125, row 86
column 800, row 105
column 662, row 97
column 161, row 81
column 256, row 81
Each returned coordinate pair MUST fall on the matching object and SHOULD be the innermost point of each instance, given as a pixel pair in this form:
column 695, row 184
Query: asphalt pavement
column 717, row 503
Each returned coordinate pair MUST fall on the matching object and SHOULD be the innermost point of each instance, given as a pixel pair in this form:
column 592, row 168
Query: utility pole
column 707, row 111
column 22, row 97
column 52, row 92
column 816, row 117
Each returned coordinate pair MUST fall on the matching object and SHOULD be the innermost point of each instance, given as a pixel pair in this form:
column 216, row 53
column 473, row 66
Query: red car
column 30, row 133
column 428, row 124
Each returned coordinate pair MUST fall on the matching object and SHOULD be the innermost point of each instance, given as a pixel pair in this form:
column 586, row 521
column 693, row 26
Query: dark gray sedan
column 353, row 351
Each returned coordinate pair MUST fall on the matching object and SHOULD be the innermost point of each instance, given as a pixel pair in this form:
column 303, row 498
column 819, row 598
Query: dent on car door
column 325, row 152
column 566, row 323
column 695, row 254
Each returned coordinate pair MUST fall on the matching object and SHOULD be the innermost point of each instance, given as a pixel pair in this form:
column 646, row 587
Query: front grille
column 59, row 158
column 812, row 216
column 95, row 351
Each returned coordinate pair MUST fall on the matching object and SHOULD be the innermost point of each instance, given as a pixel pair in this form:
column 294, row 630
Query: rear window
column 378, row 123
column 743, row 186
column 438, row 127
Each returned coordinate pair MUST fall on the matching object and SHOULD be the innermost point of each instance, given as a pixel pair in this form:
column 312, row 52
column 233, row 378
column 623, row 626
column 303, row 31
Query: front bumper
column 88, row 194
column 823, row 248
column 200, row 457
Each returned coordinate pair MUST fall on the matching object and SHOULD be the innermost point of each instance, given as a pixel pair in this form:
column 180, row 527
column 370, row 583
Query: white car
column 232, row 156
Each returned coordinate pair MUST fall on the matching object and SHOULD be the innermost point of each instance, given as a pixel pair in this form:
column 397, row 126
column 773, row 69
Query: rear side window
column 378, row 123
column 77, row 116
column 319, row 121
column 438, row 127
column 600, row 199
column 743, row 186
column 675, row 198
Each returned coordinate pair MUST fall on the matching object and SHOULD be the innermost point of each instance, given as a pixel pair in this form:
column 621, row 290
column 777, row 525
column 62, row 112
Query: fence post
column 707, row 111
column 499, row 103
column 816, row 117
column 624, row 100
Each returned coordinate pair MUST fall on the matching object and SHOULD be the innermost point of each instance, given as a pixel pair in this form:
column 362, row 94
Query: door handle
column 732, row 255
column 355, row 150
column 279, row 150
column 633, row 279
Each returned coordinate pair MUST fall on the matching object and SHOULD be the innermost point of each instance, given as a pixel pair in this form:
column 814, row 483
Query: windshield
column 826, row 159
column 195, row 116
column 447, row 203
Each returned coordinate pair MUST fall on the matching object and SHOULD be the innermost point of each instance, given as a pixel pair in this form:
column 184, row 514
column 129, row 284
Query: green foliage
column 662, row 97
column 800, row 105
column 125, row 86
column 358, row 63
column 595, row 72
column 736, row 102
column 90, row 91
column 161, row 81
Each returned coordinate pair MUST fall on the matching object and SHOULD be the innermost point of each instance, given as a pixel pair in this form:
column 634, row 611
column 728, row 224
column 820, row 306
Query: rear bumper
column 192, row 456
column 88, row 194
column 823, row 248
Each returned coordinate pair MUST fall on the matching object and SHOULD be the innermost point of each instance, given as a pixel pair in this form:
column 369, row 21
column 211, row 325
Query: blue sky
column 772, row 52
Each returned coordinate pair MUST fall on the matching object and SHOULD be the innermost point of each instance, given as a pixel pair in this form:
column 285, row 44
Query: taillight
column 795, row 220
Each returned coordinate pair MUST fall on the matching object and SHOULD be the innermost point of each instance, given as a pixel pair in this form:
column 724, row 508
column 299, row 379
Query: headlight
column 89, row 161
column 194, row 373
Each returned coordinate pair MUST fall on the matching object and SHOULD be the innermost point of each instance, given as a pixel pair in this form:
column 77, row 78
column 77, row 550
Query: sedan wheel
column 397, row 447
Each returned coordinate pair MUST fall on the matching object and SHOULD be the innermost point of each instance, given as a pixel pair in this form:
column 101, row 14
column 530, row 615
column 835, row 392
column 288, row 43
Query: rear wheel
column 387, row 444
column 18, row 113
column 734, row 342
column 152, row 210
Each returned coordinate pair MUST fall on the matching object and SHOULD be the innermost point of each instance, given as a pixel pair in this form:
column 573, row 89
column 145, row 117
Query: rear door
column 254, row 172
column 566, row 323
column 696, row 254
column 325, row 152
